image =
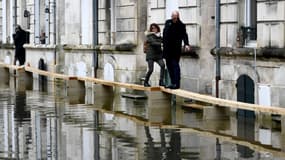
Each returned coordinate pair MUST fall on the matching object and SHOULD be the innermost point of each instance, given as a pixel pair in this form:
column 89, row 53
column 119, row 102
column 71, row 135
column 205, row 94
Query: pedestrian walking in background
column 20, row 37
column 173, row 34
column 153, row 50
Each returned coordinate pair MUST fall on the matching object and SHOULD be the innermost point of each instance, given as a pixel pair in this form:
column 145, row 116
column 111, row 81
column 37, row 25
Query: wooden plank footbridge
column 155, row 94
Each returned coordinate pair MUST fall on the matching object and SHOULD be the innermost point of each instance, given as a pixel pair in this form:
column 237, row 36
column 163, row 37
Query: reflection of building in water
column 7, row 138
column 16, row 128
column 58, row 130
column 246, row 131
column 22, row 119
column 22, row 113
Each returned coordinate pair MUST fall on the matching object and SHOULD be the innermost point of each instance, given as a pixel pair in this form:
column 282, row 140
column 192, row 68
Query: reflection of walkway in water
column 221, row 138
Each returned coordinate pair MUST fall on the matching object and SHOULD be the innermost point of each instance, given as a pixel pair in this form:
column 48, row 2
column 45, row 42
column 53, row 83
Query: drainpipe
column 53, row 28
column 37, row 21
column 247, row 17
column 4, row 22
column 15, row 13
column 47, row 21
column 247, row 13
column 218, row 58
column 95, row 35
column 52, row 34
column 12, row 19
column 95, row 64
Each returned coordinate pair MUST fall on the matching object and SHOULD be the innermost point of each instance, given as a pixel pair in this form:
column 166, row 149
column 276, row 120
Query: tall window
column 107, row 21
column 44, row 18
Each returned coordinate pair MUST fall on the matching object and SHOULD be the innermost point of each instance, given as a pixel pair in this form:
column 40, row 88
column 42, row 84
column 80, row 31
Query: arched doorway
column 245, row 93
column 245, row 118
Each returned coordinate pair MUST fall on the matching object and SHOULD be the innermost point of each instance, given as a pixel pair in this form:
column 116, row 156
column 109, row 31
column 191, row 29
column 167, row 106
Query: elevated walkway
column 155, row 94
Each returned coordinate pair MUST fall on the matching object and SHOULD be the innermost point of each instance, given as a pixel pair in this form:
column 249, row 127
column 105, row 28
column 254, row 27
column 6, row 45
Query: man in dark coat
column 20, row 38
column 173, row 34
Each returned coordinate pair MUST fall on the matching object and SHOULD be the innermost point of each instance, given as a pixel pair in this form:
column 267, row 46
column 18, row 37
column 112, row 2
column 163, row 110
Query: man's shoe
column 169, row 86
column 172, row 86
column 161, row 83
column 146, row 84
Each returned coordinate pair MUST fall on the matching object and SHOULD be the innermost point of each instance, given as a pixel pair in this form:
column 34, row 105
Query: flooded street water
column 43, row 124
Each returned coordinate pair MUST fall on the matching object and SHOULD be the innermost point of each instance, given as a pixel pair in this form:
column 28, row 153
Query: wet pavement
column 43, row 124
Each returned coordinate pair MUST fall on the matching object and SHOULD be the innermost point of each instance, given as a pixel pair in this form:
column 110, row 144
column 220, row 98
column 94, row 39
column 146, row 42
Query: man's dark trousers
column 173, row 70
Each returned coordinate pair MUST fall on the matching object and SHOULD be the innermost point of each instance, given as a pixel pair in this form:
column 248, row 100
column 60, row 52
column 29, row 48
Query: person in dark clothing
column 20, row 38
column 173, row 34
column 154, row 53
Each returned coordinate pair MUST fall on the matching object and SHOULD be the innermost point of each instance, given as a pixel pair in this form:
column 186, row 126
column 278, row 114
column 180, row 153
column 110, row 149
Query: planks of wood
column 49, row 74
column 178, row 92
column 11, row 66
column 90, row 79
column 225, row 102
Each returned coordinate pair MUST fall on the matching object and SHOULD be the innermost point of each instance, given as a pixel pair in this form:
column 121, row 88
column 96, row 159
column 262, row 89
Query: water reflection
column 43, row 83
column 245, row 130
column 45, row 125
column 22, row 113
column 174, row 151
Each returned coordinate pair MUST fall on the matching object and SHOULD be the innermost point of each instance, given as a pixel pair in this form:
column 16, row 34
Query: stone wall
column 121, row 29
column 265, row 72
column 265, row 66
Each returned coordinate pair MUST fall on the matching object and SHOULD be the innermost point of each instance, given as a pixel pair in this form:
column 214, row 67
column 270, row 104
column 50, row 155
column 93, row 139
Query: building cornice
column 261, row 53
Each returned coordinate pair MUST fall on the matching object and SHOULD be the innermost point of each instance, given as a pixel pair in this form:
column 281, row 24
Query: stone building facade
column 103, row 38
column 252, row 51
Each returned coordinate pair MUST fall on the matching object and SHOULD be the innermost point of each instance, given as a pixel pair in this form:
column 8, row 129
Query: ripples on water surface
column 40, row 125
